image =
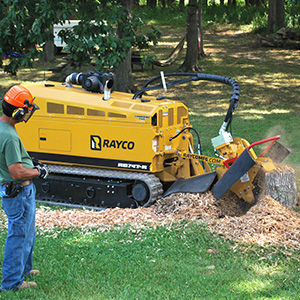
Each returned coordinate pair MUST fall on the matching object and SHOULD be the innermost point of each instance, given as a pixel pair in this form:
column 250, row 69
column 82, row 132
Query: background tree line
column 110, row 29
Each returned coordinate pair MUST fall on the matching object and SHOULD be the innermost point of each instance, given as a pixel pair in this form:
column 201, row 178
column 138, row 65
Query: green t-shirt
column 11, row 151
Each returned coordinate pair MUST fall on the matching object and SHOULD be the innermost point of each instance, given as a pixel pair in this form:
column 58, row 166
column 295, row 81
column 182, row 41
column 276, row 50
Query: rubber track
column 153, row 183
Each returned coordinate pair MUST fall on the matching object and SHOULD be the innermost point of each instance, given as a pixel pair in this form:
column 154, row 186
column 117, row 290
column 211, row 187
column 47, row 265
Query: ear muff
column 18, row 113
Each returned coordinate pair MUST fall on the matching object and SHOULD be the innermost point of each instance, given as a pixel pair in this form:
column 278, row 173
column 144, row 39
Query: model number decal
column 132, row 166
column 97, row 143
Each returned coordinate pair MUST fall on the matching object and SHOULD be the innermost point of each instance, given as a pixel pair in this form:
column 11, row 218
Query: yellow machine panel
column 56, row 140
column 76, row 127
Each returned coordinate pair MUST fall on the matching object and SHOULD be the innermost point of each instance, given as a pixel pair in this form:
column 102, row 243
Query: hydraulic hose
column 198, row 137
column 195, row 77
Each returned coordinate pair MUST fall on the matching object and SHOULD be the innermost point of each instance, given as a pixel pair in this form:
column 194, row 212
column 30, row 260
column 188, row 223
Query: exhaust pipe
column 107, row 89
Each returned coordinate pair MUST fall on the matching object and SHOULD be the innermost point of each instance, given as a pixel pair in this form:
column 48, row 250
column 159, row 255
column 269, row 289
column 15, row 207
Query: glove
column 36, row 162
column 43, row 170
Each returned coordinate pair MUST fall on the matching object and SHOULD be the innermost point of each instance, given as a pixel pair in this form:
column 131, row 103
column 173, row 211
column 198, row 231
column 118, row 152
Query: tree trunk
column 276, row 17
column 48, row 51
column 123, row 72
column 191, row 58
column 170, row 3
column 201, row 52
column 124, row 75
column 280, row 184
column 282, row 187
column 150, row 3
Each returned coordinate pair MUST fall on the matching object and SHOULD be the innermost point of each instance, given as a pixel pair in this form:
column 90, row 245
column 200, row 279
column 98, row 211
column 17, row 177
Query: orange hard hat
column 19, row 96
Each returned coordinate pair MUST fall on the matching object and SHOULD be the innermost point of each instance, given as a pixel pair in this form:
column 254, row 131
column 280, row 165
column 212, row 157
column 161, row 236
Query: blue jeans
column 20, row 239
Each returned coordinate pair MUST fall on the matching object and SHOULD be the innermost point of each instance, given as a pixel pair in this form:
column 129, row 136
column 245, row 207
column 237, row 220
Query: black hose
column 195, row 77
column 198, row 137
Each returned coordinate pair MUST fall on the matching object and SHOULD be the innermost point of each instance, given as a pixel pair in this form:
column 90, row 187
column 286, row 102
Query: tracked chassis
column 98, row 189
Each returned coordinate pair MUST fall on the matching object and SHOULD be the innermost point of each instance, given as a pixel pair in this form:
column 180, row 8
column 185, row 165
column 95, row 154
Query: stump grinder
column 111, row 149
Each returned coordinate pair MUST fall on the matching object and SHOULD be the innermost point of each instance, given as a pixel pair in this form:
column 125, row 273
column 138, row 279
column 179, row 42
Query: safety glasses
column 29, row 111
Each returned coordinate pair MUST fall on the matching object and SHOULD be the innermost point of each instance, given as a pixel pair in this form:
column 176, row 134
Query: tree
column 276, row 17
column 123, row 71
column 201, row 52
column 103, row 38
column 151, row 3
column 191, row 58
column 49, row 49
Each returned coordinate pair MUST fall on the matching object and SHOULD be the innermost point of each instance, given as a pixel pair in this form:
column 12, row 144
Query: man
column 18, row 191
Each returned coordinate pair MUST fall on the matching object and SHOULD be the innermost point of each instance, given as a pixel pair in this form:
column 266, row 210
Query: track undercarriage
column 98, row 189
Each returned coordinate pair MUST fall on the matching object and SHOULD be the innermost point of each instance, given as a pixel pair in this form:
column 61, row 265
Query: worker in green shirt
column 17, row 190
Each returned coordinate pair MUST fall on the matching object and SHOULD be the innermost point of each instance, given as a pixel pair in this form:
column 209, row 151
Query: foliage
column 293, row 15
column 23, row 25
column 161, row 16
column 259, row 23
column 229, row 14
column 97, row 36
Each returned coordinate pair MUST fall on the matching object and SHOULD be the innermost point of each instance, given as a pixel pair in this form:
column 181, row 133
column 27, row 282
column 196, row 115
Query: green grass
column 214, row 14
column 166, row 262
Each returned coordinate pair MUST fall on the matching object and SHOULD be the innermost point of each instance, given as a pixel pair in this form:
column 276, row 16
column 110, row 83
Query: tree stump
column 281, row 185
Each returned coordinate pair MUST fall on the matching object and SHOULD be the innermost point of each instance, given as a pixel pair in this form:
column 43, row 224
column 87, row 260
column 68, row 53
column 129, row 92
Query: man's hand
column 43, row 170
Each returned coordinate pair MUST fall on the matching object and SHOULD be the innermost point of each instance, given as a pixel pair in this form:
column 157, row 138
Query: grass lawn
column 179, row 261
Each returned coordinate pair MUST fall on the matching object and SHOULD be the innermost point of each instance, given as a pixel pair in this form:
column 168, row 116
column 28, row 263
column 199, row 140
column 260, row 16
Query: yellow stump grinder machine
column 111, row 149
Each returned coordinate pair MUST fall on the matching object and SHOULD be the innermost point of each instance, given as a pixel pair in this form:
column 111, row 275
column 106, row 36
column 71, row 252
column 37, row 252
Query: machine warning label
column 97, row 143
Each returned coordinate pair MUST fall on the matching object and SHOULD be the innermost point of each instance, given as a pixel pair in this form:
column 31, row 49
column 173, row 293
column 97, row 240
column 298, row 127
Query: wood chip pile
column 84, row 218
column 265, row 223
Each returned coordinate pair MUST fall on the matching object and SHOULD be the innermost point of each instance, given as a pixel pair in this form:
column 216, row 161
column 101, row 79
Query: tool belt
column 13, row 189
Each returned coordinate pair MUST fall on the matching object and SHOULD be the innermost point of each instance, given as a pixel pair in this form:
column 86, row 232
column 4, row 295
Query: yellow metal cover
column 76, row 127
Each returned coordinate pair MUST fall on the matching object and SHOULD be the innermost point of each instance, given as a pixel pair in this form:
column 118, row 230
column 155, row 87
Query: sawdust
column 265, row 223
column 85, row 218
column 282, row 169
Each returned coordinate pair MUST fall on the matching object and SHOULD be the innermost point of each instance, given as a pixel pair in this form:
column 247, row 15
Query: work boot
column 34, row 272
column 27, row 285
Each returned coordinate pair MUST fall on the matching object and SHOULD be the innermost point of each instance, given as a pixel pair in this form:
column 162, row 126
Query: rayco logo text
column 97, row 143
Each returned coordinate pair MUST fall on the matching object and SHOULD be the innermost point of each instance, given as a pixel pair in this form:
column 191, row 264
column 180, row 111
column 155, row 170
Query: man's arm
column 18, row 172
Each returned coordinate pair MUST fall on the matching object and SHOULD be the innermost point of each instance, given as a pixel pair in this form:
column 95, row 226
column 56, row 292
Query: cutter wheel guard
column 111, row 149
